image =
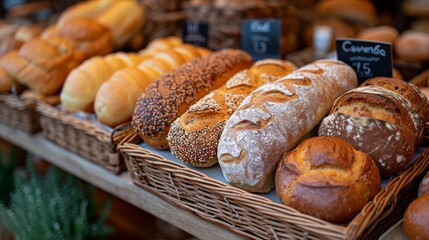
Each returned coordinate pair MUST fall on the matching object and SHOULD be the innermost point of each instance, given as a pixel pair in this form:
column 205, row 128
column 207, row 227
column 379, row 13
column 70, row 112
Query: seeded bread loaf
column 327, row 178
column 172, row 94
column 273, row 118
column 194, row 136
column 378, row 122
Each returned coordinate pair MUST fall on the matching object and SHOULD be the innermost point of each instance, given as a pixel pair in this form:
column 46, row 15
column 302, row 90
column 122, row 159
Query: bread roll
column 327, row 178
column 89, row 36
column 416, row 219
column 172, row 94
column 123, row 18
column 82, row 84
column 194, row 136
column 412, row 94
column 42, row 65
column 424, row 185
column 356, row 11
column 116, row 99
column 413, row 45
column 373, row 120
column 273, row 118
column 380, row 34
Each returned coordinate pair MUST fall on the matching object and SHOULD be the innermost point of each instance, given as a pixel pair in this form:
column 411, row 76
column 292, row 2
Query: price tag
column 261, row 38
column 368, row 58
column 195, row 33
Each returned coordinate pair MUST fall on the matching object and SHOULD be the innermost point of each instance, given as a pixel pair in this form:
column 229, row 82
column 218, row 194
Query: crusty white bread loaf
column 327, row 178
column 194, row 136
column 376, row 121
column 116, row 99
column 124, row 18
column 273, row 118
column 88, row 36
column 172, row 94
column 413, row 45
column 412, row 94
column 82, row 84
column 43, row 64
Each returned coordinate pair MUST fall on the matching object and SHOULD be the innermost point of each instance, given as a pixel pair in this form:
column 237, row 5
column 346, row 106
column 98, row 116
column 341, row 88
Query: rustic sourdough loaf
column 273, row 118
column 327, row 178
column 194, row 136
column 378, row 122
column 172, row 94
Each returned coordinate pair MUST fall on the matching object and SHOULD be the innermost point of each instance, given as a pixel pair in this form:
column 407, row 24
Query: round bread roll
column 373, row 119
column 411, row 93
column 327, row 178
column 413, row 45
column 358, row 11
column 380, row 33
column 424, row 185
column 416, row 218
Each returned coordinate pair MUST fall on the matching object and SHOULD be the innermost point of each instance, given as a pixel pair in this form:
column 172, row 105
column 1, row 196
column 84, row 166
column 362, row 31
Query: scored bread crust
column 194, row 136
column 274, row 117
column 171, row 95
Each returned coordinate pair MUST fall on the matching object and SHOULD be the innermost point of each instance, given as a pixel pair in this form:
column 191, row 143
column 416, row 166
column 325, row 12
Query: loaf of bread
column 387, row 34
column 361, row 12
column 43, row 64
column 116, row 99
column 273, row 118
column 416, row 218
column 88, row 36
column 172, row 94
column 424, row 185
column 378, row 122
column 412, row 94
column 123, row 18
column 413, row 45
column 194, row 136
column 327, row 178
column 6, row 81
column 14, row 36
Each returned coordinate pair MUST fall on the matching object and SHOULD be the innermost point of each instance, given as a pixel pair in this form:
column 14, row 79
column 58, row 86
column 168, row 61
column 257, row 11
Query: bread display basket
column 88, row 139
column 20, row 112
column 260, row 216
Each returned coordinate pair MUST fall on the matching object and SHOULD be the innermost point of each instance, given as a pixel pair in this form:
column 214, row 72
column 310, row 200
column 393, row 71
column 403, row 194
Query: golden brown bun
column 275, row 117
column 17, row 37
column 162, row 44
column 42, row 65
column 89, row 36
column 380, row 34
column 116, row 99
column 124, row 18
column 413, row 45
column 172, row 94
column 82, row 84
column 194, row 136
column 416, row 219
column 327, row 178
column 424, row 185
column 359, row 11
column 373, row 119
column 27, row 32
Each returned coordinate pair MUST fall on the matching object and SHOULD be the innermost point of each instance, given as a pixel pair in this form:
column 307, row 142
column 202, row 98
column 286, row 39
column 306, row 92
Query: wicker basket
column 21, row 113
column 85, row 138
column 225, row 22
column 257, row 217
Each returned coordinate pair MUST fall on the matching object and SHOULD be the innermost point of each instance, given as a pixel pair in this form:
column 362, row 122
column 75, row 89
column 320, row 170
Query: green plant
column 52, row 207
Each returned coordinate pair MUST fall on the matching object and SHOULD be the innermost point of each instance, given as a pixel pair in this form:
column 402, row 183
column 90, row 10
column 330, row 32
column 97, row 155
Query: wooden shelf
column 120, row 186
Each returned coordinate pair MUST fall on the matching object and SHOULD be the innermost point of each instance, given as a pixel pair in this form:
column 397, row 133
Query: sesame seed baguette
column 172, row 94
column 194, row 136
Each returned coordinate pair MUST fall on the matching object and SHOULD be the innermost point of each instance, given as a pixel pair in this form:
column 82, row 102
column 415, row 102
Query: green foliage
column 7, row 169
column 52, row 207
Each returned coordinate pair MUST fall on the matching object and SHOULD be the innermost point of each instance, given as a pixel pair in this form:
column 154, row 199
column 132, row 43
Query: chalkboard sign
column 368, row 58
column 195, row 33
column 261, row 38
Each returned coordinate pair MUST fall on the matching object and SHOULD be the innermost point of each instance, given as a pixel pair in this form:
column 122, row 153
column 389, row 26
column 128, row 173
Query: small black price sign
column 368, row 58
column 195, row 33
column 261, row 38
